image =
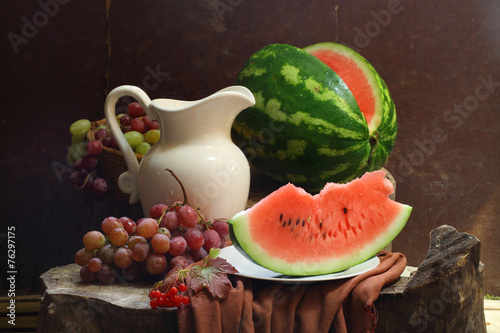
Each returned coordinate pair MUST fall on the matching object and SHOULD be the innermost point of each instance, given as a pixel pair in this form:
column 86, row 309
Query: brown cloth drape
column 338, row 306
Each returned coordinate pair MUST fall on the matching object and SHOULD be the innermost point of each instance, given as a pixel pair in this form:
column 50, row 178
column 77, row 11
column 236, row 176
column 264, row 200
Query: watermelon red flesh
column 363, row 81
column 295, row 233
column 354, row 78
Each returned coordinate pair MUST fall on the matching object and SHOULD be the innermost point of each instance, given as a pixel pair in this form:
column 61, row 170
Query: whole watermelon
column 306, row 127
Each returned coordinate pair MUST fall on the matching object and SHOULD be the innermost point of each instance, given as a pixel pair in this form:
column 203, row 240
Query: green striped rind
column 241, row 237
column 384, row 124
column 305, row 126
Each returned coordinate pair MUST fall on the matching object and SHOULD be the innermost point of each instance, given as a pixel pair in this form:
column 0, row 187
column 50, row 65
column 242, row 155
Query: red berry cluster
column 174, row 297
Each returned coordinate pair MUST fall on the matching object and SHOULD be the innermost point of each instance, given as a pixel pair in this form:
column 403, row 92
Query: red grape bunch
column 172, row 237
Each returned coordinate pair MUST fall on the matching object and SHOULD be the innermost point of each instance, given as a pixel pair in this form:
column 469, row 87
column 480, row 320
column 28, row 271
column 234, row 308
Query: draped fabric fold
column 338, row 306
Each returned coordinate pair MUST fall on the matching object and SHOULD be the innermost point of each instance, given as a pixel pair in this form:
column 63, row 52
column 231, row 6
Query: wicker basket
column 112, row 164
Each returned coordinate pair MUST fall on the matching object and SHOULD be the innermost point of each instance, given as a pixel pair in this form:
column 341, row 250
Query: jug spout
column 233, row 100
column 243, row 97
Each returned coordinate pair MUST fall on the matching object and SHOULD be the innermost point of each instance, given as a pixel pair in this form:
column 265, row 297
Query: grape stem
column 173, row 279
column 180, row 183
column 185, row 202
column 85, row 182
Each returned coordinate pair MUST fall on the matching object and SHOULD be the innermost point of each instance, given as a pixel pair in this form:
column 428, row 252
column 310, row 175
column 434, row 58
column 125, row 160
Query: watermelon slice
column 295, row 233
column 367, row 87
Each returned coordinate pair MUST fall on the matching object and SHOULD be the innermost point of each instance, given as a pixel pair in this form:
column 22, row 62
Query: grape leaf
column 212, row 274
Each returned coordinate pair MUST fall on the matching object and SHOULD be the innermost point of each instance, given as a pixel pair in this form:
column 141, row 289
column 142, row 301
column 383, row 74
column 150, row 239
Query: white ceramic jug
column 195, row 143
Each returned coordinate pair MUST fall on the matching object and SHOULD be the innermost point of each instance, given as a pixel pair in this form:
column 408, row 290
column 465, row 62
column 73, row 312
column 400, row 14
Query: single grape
column 89, row 162
column 134, row 240
column 157, row 210
column 106, row 275
column 86, row 274
column 76, row 151
column 110, row 223
column 142, row 148
column 118, row 237
column 78, row 138
column 223, row 243
column 94, row 147
column 160, row 243
column 101, row 134
column 100, row 186
column 140, row 252
column 76, row 179
column 178, row 246
column 95, row 265
column 134, row 138
column 198, row 254
column 80, row 127
column 165, row 231
column 135, row 109
column 83, row 256
column 156, row 263
column 178, row 262
column 128, row 224
column 78, row 164
column 194, row 238
column 146, row 120
column 154, row 125
column 93, row 240
column 188, row 257
column 138, row 125
column 108, row 142
column 147, row 228
column 169, row 220
column 106, row 253
column 125, row 120
column 212, row 239
column 123, row 257
column 187, row 216
column 222, row 227
column 152, row 136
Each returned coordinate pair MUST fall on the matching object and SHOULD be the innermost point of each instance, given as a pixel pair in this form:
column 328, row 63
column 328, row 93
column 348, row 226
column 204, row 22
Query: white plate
column 250, row 269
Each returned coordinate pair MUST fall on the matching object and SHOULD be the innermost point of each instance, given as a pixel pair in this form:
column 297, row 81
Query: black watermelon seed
column 303, row 222
column 324, row 235
column 321, row 225
column 284, row 223
column 297, row 222
column 281, row 217
column 345, row 210
column 289, row 221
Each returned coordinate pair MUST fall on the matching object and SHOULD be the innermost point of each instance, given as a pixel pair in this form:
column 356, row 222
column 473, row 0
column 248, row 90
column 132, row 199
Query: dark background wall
column 440, row 61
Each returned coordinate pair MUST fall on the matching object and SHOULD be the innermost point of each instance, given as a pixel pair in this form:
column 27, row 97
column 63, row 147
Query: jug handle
column 128, row 182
